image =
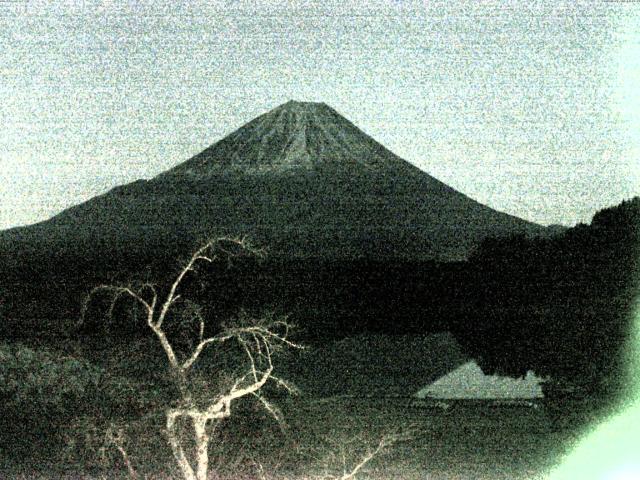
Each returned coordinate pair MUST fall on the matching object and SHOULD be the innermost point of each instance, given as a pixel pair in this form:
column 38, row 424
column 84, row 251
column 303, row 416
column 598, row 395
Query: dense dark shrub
column 43, row 396
column 38, row 382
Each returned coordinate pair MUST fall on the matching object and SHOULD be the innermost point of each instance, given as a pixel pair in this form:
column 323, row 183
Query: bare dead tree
column 348, row 456
column 351, row 470
column 258, row 339
column 341, row 463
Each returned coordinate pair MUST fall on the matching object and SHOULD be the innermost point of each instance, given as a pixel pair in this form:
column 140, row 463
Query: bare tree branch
column 365, row 459
column 345, row 446
column 250, row 356
column 115, row 436
column 199, row 254
column 289, row 387
column 269, row 407
column 200, row 347
column 118, row 291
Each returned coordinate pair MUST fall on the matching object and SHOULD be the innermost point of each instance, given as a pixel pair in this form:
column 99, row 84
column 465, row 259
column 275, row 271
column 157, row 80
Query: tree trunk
column 176, row 447
column 202, row 439
column 202, row 446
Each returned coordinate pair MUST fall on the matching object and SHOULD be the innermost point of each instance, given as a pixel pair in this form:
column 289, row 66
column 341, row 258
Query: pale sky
column 532, row 108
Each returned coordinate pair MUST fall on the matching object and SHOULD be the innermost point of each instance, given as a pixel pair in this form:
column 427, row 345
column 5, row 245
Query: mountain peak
column 294, row 135
column 302, row 108
column 296, row 104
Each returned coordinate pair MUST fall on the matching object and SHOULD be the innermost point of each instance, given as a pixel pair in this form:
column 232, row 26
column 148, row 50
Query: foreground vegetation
column 77, row 418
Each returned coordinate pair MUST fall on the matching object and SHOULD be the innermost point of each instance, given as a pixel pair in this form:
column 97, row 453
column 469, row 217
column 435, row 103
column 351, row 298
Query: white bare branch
column 345, row 446
column 172, row 297
column 289, row 387
column 166, row 346
column 199, row 348
column 243, row 343
column 176, row 446
column 365, row 459
column 201, row 330
column 266, row 331
column 115, row 436
column 119, row 291
column 269, row 407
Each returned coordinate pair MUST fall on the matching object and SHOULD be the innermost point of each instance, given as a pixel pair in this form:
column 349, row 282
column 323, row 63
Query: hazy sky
column 530, row 107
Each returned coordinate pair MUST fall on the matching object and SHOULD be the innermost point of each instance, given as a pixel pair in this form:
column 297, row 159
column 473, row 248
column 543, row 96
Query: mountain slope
column 301, row 180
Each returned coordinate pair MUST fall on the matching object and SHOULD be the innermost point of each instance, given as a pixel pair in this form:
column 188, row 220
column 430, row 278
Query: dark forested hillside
column 560, row 306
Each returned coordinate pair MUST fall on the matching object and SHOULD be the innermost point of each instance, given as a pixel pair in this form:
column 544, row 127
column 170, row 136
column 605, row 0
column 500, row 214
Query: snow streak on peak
column 294, row 135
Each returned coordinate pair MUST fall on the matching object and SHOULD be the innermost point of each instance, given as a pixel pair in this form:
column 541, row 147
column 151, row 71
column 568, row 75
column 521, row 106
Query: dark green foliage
column 39, row 393
column 36, row 382
column 517, row 304
column 556, row 305
column 560, row 306
column 56, row 407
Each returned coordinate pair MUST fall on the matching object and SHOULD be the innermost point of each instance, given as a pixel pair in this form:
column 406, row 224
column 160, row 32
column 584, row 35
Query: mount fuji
column 301, row 180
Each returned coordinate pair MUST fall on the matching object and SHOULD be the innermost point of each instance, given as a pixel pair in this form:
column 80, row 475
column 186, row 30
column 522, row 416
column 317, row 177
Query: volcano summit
column 295, row 135
column 301, row 180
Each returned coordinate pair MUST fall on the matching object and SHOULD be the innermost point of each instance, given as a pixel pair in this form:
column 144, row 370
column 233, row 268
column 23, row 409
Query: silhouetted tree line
column 560, row 306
